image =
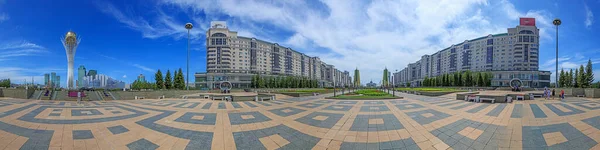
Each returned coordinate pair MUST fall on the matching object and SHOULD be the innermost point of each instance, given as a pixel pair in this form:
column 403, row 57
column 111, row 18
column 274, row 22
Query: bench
column 139, row 97
column 469, row 98
column 226, row 98
column 580, row 95
column 184, row 97
column 206, row 96
column 161, row 97
column 520, row 97
column 487, row 99
column 538, row 95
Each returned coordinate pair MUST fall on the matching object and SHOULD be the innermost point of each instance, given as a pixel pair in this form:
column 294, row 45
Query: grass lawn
column 365, row 95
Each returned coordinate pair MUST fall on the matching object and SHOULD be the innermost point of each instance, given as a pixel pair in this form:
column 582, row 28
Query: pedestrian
column 562, row 94
column 553, row 92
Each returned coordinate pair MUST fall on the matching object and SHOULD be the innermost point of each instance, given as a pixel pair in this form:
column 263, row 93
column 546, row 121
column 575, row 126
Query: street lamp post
column 556, row 23
column 189, row 27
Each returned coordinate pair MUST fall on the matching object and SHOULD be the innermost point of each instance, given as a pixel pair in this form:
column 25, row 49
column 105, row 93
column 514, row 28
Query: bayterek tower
column 70, row 42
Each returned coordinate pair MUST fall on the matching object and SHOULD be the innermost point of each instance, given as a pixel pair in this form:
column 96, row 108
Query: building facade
column 81, row 72
column 508, row 56
column 236, row 59
column 141, row 78
column 51, row 80
column 102, row 81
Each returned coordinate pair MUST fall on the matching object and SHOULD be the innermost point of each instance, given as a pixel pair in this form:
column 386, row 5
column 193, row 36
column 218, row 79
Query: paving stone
column 118, row 129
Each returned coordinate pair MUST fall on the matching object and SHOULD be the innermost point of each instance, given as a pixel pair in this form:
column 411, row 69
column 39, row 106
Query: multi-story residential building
column 508, row 56
column 236, row 59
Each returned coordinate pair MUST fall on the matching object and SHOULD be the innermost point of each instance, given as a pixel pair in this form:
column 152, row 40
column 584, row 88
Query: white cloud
column 364, row 34
column 163, row 26
column 18, row 49
column 589, row 16
column 124, row 76
column 143, row 67
column 3, row 17
column 19, row 75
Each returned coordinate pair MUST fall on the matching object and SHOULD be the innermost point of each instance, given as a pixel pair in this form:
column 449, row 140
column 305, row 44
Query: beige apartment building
column 236, row 59
column 508, row 56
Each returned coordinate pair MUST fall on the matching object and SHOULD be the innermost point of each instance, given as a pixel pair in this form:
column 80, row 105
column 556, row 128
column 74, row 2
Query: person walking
column 553, row 92
column 562, row 95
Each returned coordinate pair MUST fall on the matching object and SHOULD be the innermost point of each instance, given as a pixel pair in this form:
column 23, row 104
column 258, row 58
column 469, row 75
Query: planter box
column 434, row 93
column 592, row 93
column 462, row 96
column 577, row 91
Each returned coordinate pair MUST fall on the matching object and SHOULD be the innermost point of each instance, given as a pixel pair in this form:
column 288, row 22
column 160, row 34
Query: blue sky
column 123, row 39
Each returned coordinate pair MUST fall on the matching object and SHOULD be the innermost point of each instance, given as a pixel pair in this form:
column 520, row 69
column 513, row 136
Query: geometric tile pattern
column 320, row 119
column 376, row 123
column 85, row 112
column 398, row 144
column 247, row 117
column 142, row 144
column 563, row 109
column 467, row 134
column 555, row 136
column 409, row 106
column 82, row 134
column 427, row 116
column 198, row 118
column 286, row 111
column 117, row 129
column 419, row 122
column 277, row 137
column 374, row 108
column 338, row 107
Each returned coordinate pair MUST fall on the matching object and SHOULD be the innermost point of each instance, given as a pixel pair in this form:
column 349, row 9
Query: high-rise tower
column 80, row 74
column 385, row 80
column 70, row 42
column 356, row 78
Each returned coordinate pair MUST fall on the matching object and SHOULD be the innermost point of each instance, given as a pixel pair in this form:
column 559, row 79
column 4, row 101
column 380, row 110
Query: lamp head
column 556, row 22
column 189, row 26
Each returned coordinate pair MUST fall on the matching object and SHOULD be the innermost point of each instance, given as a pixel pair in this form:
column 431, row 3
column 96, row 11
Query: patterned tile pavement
column 415, row 122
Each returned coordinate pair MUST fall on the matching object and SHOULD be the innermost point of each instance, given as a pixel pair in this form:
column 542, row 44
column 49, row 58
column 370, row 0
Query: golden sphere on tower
column 70, row 34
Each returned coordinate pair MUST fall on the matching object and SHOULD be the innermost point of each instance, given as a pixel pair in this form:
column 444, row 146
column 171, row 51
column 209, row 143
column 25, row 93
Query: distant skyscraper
column 141, row 78
column 52, row 79
column 385, row 81
column 70, row 42
column 57, row 82
column 356, row 78
column 92, row 73
column 46, row 79
column 80, row 74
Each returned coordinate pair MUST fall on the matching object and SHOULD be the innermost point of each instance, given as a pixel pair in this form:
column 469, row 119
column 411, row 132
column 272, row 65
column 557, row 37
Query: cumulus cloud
column 348, row 34
column 124, row 76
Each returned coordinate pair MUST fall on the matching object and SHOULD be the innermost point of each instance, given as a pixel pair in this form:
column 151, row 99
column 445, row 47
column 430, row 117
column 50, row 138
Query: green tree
column 576, row 79
column 581, row 78
column 168, row 80
column 457, row 79
column 159, row 79
column 561, row 79
column 5, row 83
column 571, row 78
column 589, row 73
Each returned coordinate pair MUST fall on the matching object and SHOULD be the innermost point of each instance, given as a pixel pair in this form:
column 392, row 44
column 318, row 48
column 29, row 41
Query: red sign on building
column 527, row 21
